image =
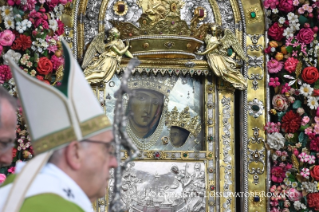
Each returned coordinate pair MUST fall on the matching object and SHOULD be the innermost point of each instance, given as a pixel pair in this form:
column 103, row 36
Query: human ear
column 73, row 154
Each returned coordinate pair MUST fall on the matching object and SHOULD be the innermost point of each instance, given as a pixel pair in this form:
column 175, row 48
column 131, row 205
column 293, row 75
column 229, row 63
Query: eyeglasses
column 6, row 144
column 109, row 146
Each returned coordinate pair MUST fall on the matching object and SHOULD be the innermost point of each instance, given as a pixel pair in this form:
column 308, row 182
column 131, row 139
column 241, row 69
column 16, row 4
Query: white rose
column 276, row 140
column 14, row 55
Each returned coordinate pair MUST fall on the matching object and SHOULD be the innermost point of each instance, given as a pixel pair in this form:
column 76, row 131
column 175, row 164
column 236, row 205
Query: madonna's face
column 178, row 136
column 145, row 106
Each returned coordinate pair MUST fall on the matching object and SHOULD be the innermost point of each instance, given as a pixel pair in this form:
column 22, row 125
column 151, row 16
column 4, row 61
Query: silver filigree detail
column 255, row 62
column 255, row 77
column 66, row 37
column 187, row 12
column 91, row 20
column 226, row 104
column 226, row 11
column 133, row 14
column 255, row 108
column 254, row 39
column 256, row 156
column 256, row 139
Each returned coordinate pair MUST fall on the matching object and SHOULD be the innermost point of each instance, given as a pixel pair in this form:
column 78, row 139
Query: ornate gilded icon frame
column 248, row 24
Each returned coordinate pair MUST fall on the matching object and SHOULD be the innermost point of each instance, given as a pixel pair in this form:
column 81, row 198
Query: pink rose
column 274, row 210
column 305, row 35
column 279, row 102
column 60, row 30
column 277, row 174
column 6, row 38
column 57, row 62
column 274, row 66
column 272, row 4
column 294, row 195
column 42, row 22
column 276, row 32
column 290, row 64
column 286, row 6
column 5, row 73
column 2, row 178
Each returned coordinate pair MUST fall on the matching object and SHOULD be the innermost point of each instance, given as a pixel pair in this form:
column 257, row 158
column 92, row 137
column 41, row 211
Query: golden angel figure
column 102, row 68
column 220, row 63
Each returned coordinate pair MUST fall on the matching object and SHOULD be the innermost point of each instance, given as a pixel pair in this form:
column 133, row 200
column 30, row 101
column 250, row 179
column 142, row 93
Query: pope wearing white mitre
column 73, row 142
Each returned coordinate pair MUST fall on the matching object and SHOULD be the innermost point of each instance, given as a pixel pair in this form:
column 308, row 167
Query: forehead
column 8, row 115
column 149, row 93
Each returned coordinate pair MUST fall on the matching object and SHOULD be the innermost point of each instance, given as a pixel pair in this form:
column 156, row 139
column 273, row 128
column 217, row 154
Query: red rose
column 44, row 66
column 314, row 144
column 291, row 64
column 46, row 82
column 23, row 42
column 310, row 75
column 305, row 35
column 39, row 77
column 277, row 174
column 275, row 32
column 60, row 29
column 315, row 92
column 315, row 172
column 14, row 152
column 313, row 200
column 290, row 122
column 286, row 6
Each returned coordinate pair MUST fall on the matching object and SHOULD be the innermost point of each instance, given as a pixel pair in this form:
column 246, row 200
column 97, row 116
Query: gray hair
column 4, row 95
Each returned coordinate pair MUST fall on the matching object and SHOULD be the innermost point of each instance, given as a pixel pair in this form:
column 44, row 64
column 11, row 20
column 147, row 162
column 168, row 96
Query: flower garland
column 30, row 33
column 293, row 134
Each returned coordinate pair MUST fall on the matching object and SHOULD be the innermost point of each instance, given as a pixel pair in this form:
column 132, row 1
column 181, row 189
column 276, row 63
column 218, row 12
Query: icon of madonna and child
column 163, row 112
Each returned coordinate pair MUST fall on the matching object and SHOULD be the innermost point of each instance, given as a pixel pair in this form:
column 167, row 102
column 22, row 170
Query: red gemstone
column 212, row 187
column 201, row 13
column 120, row 8
column 157, row 154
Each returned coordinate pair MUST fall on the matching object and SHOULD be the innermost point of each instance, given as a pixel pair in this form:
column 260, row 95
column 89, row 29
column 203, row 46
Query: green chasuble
column 49, row 203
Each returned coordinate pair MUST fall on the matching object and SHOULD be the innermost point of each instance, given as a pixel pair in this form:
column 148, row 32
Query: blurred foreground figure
column 8, row 121
column 72, row 140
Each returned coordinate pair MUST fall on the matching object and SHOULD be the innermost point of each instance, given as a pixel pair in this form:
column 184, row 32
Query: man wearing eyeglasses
column 8, row 121
column 73, row 144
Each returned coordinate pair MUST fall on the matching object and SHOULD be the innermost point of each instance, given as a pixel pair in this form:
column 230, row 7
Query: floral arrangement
column 293, row 134
column 30, row 33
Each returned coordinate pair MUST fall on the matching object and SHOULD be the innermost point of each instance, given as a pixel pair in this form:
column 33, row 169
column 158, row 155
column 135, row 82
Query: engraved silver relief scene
column 162, row 186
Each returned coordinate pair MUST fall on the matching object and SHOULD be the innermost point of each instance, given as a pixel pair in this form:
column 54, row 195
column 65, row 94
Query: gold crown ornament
column 162, row 33
column 183, row 120
column 163, row 85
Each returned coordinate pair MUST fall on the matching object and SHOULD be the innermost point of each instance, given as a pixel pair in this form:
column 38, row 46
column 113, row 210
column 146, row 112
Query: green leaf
column 302, row 128
column 281, row 203
column 280, row 115
column 316, row 85
column 303, row 139
column 297, row 104
column 301, row 136
column 292, row 178
column 302, row 20
column 305, row 200
column 289, row 49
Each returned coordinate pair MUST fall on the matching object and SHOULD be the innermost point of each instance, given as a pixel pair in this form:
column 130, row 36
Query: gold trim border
column 95, row 124
column 53, row 140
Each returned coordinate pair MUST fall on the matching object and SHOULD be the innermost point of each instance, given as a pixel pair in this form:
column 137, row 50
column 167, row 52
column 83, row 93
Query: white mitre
column 59, row 115
column 56, row 116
